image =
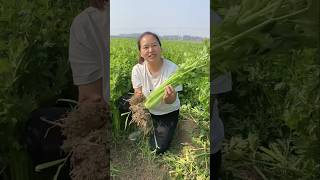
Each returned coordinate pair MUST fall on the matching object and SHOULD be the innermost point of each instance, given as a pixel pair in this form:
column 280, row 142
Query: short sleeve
column 178, row 88
column 135, row 77
column 83, row 56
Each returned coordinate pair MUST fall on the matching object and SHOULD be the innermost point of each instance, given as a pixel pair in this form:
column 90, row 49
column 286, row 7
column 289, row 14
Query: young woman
column 147, row 75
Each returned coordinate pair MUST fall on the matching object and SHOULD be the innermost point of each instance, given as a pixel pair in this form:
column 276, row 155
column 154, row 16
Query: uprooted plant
column 140, row 115
column 87, row 142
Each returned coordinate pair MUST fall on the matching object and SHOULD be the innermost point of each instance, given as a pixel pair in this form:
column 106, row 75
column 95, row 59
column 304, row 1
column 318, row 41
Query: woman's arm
column 91, row 93
column 138, row 91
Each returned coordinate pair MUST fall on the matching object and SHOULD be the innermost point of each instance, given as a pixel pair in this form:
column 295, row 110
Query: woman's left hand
column 170, row 95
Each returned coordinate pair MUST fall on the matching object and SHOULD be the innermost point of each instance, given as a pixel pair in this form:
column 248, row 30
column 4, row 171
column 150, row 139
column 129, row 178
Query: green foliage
column 34, row 69
column 184, row 73
column 271, row 31
column 271, row 49
column 124, row 55
column 192, row 162
column 246, row 158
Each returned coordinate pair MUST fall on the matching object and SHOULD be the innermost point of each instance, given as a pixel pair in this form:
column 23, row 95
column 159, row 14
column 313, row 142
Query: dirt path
column 129, row 161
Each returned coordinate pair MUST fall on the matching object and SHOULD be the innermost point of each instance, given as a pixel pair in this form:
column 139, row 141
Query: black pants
column 43, row 148
column 215, row 164
column 164, row 128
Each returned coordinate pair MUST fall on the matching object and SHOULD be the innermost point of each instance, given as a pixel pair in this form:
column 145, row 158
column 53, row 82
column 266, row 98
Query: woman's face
column 150, row 48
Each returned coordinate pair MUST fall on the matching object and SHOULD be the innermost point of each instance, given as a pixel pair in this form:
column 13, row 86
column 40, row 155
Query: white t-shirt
column 141, row 77
column 88, row 48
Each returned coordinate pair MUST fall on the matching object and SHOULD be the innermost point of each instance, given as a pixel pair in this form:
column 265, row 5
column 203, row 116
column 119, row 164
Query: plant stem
column 238, row 36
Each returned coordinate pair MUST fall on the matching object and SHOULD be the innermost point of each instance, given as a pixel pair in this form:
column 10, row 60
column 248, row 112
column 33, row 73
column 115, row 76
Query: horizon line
column 180, row 35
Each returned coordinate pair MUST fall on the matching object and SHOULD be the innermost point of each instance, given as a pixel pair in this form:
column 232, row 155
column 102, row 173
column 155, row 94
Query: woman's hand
column 138, row 91
column 170, row 95
column 91, row 93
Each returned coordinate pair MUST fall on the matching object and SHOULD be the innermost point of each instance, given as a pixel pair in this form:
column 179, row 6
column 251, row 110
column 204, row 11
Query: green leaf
column 4, row 66
column 42, row 166
column 58, row 172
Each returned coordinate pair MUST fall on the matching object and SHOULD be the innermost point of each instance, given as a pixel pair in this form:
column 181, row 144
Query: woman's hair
column 99, row 4
column 141, row 60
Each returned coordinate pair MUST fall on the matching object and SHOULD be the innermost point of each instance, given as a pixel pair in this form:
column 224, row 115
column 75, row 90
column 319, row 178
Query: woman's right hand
column 91, row 93
column 138, row 91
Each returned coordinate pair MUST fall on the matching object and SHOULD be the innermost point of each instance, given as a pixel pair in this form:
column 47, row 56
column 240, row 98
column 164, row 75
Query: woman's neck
column 155, row 66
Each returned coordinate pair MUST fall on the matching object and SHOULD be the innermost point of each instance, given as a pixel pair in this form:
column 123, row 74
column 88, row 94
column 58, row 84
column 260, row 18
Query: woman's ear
column 141, row 60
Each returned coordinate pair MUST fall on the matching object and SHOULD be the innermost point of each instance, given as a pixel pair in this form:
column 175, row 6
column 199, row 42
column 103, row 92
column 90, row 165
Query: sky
column 164, row 17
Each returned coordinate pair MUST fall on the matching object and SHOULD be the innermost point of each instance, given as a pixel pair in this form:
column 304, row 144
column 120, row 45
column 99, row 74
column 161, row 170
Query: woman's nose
column 150, row 49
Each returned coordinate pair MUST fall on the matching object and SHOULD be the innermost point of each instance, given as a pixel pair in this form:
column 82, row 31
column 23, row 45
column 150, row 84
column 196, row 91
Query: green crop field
column 271, row 116
column 34, row 72
column 189, row 160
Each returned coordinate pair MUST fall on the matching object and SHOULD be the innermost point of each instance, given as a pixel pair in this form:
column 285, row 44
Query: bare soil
column 128, row 161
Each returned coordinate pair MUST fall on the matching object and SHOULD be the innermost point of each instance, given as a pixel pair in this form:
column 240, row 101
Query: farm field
column 34, row 73
column 188, row 156
column 271, row 116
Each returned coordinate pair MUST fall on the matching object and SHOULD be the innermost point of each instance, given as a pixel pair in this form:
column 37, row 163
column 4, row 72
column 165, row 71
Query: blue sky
column 164, row 17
